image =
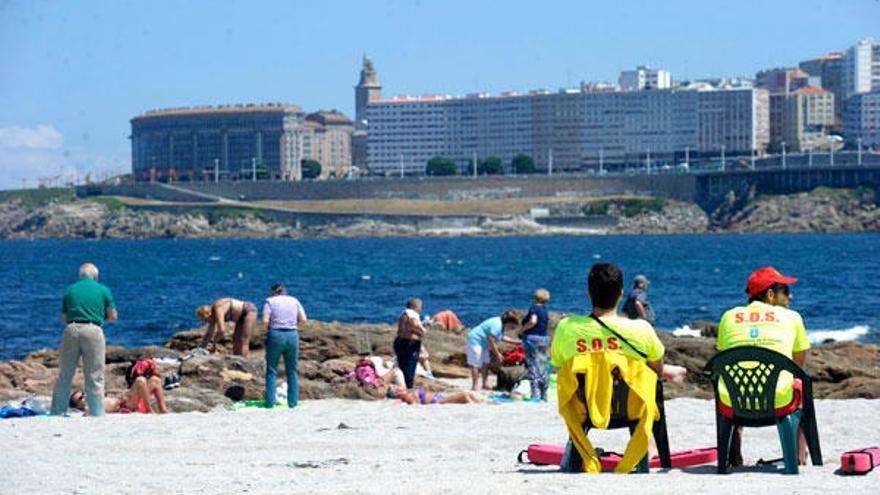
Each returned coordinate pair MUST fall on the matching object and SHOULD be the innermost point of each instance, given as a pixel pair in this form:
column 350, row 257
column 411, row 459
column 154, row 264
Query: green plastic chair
column 752, row 391
column 619, row 419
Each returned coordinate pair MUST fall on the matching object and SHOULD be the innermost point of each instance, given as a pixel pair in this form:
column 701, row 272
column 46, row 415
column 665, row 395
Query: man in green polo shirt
column 87, row 306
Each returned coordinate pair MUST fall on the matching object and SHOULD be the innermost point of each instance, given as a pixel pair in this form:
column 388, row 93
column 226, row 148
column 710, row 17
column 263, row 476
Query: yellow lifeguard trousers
column 610, row 390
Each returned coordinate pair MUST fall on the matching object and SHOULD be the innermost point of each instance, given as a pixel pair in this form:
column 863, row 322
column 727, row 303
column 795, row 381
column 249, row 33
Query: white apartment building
column 572, row 129
column 644, row 77
column 861, row 67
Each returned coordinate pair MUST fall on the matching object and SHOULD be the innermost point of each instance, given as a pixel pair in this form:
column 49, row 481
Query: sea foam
column 854, row 333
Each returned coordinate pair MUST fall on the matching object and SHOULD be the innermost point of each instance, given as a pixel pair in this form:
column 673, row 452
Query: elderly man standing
column 87, row 306
column 637, row 305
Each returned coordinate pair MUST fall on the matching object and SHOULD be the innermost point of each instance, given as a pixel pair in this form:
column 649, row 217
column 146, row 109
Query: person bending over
column 482, row 345
column 227, row 309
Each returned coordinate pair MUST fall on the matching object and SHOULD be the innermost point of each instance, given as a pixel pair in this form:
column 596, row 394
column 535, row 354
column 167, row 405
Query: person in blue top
column 536, row 343
column 482, row 342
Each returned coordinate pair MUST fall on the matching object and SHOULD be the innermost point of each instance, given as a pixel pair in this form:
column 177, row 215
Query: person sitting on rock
column 227, row 309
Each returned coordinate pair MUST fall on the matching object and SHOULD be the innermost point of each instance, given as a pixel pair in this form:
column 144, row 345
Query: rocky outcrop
column 328, row 351
column 92, row 220
column 678, row 218
column 823, row 210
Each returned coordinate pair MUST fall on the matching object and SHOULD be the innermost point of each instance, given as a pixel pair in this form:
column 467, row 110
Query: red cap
column 761, row 280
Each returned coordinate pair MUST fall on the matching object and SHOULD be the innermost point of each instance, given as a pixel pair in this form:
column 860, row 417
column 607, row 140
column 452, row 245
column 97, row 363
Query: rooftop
column 222, row 109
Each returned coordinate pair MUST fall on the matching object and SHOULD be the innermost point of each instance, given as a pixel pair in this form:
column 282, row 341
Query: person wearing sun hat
column 766, row 322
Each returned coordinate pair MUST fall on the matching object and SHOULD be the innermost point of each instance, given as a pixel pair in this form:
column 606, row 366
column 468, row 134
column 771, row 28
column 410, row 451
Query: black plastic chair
column 750, row 375
column 620, row 419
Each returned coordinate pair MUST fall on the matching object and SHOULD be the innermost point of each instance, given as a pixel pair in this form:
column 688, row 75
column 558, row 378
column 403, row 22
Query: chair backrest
column 750, row 375
column 619, row 402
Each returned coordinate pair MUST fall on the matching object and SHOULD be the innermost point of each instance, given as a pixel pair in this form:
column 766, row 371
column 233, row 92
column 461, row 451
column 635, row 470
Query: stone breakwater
column 329, row 351
column 823, row 210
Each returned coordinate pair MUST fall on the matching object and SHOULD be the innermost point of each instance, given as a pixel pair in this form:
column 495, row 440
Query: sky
column 72, row 74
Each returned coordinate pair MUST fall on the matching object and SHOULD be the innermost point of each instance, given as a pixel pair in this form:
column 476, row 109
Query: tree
column 490, row 166
column 310, row 169
column 440, row 165
column 523, row 164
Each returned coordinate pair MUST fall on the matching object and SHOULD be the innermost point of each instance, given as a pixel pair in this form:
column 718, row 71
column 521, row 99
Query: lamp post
column 831, row 152
column 810, row 157
column 601, row 161
column 753, row 158
column 783, row 155
column 859, row 140
column 648, row 160
column 723, row 160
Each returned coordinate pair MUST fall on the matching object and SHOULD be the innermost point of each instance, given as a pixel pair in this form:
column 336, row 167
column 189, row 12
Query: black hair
column 277, row 289
column 605, row 284
column 762, row 296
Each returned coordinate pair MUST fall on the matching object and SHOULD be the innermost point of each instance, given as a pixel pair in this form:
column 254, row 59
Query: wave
column 855, row 333
column 850, row 334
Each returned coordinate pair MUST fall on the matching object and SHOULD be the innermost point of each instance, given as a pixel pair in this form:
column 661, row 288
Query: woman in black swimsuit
column 227, row 309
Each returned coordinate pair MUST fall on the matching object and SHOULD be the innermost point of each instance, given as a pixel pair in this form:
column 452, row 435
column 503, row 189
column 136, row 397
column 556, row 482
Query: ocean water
column 159, row 283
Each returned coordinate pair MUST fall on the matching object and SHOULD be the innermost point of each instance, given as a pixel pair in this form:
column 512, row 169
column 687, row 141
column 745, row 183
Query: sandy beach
column 345, row 446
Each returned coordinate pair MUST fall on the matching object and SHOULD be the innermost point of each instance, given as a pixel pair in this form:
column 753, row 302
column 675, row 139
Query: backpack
column 514, row 357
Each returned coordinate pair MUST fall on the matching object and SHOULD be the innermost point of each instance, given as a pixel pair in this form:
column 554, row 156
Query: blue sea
column 159, row 283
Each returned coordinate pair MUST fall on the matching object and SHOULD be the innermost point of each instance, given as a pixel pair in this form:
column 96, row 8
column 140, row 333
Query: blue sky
column 72, row 74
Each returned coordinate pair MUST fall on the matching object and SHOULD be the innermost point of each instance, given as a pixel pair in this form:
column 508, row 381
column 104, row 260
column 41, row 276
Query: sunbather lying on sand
column 420, row 396
column 136, row 399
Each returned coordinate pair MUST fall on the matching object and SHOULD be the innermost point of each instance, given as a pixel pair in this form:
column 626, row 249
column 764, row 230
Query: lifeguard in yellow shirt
column 766, row 322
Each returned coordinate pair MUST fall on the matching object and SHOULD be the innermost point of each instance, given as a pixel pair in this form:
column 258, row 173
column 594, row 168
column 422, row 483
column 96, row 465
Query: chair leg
column 572, row 462
column 811, row 432
column 724, row 432
column 788, row 427
column 662, row 438
column 643, row 466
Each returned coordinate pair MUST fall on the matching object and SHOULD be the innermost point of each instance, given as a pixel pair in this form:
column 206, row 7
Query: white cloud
column 33, row 156
column 41, row 137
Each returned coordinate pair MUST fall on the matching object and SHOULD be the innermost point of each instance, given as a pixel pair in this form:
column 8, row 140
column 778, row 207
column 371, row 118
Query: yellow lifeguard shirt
column 762, row 325
column 577, row 335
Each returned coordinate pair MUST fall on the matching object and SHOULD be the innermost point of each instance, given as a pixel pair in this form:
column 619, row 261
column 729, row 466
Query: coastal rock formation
column 328, row 351
column 680, row 218
column 822, row 210
column 92, row 220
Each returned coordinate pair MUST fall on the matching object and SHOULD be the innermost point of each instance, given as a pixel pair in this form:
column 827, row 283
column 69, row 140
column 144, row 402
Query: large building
column 328, row 139
column 829, row 69
column 644, row 77
column 861, row 68
column 861, row 120
column 785, row 80
column 223, row 142
column 569, row 129
column 801, row 119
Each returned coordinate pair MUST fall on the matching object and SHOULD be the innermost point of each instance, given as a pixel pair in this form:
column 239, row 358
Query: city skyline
column 72, row 77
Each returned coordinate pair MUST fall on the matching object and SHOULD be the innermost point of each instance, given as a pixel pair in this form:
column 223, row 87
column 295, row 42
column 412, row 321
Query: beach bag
column 860, row 461
column 141, row 367
column 514, row 357
column 365, row 373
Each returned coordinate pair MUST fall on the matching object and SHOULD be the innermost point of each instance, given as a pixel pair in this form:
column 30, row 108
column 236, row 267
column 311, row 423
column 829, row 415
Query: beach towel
column 251, row 405
column 16, row 412
column 597, row 368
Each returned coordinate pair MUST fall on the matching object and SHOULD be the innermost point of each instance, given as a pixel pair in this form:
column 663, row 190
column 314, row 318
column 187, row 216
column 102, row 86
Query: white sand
column 390, row 449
